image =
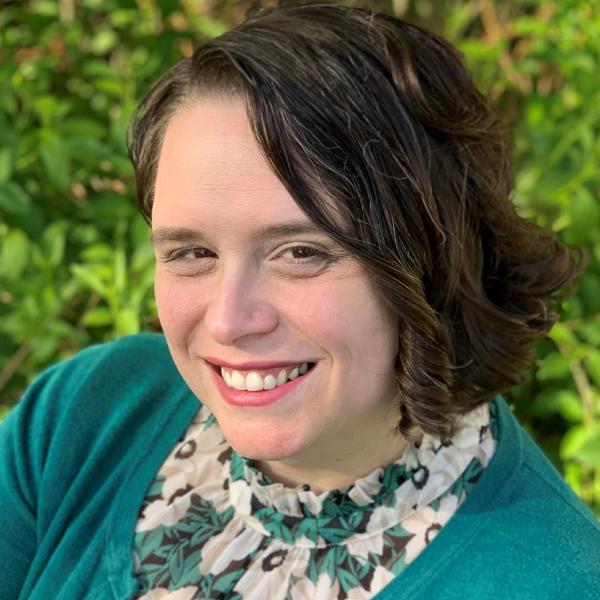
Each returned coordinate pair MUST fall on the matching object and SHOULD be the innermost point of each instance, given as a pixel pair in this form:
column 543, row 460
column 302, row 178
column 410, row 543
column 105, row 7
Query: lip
column 244, row 399
column 254, row 365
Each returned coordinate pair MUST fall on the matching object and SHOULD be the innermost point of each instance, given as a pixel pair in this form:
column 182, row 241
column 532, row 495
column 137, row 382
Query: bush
column 75, row 262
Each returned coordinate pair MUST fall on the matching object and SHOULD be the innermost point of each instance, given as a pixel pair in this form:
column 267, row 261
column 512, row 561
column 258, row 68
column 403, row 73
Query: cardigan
column 79, row 451
column 213, row 525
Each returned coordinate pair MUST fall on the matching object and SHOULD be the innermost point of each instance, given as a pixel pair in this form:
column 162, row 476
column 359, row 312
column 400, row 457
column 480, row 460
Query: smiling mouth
column 262, row 379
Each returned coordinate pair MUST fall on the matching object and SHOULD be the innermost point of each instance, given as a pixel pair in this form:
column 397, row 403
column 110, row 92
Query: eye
column 304, row 253
column 189, row 254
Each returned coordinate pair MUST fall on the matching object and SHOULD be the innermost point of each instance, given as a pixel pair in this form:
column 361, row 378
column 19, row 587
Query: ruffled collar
column 422, row 474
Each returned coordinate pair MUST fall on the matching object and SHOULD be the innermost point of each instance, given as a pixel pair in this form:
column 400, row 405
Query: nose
column 239, row 308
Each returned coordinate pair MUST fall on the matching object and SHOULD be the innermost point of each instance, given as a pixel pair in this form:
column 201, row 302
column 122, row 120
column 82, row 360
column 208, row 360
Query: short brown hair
column 381, row 119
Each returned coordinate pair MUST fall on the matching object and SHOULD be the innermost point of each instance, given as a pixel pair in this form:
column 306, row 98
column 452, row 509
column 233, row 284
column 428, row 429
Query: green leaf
column 127, row 322
column 590, row 451
column 14, row 254
column 104, row 41
column 98, row 317
column 80, row 127
column 43, row 349
column 555, row 366
column 120, row 269
column 591, row 332
column 53, row 242
column 568, row 404
column 47, row 8
column 589, row 290
column 13, row 199
column 576, row 438
column 6, row 164
column 584, row 212
column 113, row 87
column 562, row 334
column 55, row 156
column 86, row 275
column 592, row 364
column 98, row 253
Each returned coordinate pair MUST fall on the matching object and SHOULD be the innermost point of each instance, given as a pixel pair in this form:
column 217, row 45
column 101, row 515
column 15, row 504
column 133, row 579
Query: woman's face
column 244, row 279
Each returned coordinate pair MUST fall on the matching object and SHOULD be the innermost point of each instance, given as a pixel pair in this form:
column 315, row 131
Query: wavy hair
column 369, row 117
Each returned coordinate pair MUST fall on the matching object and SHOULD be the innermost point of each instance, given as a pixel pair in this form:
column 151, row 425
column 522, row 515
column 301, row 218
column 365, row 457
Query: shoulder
column 534, row 522
column 126, row 385
column 108, row 371
column 538, row 490
column 521, row 531
column 143, row 350
column 85, row 427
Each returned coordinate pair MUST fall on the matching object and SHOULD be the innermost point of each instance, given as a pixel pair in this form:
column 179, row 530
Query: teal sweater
column 79, row 452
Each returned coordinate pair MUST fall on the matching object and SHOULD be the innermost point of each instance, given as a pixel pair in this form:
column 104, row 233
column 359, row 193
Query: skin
column 228, row 291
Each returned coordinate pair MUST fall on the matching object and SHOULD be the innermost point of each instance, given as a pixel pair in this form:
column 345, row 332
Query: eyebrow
column 170, row 235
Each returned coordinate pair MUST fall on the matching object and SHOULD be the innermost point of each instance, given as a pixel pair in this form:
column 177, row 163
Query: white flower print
column 486, row 450
column 233, row 543
column 381, row 577
column 240, row 495
column 268, row 574
column 426, row 523
column 161, row 512
column 190, row 468
column 186, row 593
column 382, row 518
column 199, row 467
column 305, row 589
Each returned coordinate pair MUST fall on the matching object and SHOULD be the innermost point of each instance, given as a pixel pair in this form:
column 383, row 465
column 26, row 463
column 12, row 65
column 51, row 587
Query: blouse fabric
column 213, row 526
column 80, row 451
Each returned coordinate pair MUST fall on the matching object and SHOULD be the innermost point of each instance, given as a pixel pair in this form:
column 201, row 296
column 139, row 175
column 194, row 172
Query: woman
column 345, row 291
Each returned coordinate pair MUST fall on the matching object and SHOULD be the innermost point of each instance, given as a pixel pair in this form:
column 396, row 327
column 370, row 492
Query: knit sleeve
column 65, row 452
column 23, row 445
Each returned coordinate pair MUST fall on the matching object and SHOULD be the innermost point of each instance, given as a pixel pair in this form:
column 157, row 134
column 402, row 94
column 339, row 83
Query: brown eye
column 201, row 253
column 304, row 253
column 188, row 254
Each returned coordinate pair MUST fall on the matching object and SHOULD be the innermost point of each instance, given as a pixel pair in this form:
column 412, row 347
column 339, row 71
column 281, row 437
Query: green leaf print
column 355, row 520
column 279, row 530
column 365, row 567
column 176, row 566
column 308, row 529
column 210, row 421
column 313, row 570
column 328, row 565
column 226, row 583
column 335, row 535
column 189, row 575
column 237, row 467
column 347, row 580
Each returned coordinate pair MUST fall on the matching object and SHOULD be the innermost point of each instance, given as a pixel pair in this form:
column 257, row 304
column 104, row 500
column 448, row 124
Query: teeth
column 270, row 382
column 281, row 377
column 253, row 382
column 238, row 381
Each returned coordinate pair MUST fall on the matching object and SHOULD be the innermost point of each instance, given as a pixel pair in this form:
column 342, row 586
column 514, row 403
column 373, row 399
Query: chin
column 263, row 442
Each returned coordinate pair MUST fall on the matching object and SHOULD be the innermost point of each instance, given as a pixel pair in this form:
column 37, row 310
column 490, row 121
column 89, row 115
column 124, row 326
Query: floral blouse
column 213, row 526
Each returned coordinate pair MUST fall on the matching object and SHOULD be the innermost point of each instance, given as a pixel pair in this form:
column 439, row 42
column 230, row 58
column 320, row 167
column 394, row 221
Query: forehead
column 209, row 156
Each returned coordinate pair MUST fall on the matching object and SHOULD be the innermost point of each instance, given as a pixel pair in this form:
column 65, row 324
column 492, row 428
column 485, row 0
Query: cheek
column 322, row 315
column 346, row 322
column 179, row 306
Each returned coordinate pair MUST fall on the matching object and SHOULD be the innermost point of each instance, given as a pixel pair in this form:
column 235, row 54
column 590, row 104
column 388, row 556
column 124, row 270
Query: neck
column 339, row 464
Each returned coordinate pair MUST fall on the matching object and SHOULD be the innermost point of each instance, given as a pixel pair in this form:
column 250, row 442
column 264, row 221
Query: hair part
column 380, row 120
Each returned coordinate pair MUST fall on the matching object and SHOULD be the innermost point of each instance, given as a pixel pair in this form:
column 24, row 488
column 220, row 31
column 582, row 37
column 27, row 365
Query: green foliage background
column 75, row 262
